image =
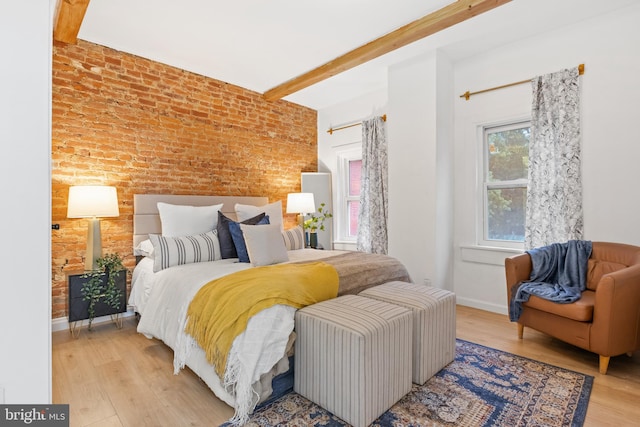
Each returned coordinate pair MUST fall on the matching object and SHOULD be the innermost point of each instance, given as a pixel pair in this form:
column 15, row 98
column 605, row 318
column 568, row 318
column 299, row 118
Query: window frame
column 341, row 214
column 484, row 186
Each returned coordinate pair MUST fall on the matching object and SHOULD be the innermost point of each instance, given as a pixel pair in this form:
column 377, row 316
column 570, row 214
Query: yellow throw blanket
column 221, row 309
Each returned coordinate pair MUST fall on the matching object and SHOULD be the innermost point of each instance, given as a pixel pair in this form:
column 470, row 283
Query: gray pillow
column 238, row 238
column 265, row 245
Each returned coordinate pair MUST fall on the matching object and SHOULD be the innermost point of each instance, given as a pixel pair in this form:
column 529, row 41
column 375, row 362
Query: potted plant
column 101, row 286
column 315, row 223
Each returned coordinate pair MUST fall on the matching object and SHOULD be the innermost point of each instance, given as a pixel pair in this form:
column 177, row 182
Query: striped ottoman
column 353, row 356
column 434, row 323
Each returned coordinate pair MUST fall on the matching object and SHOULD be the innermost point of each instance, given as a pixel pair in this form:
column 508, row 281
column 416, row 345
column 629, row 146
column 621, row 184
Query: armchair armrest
column 517, row 268
column 616, row 314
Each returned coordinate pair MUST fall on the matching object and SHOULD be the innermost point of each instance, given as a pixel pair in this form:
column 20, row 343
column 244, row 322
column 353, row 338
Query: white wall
column 25, row 261
column 420, row 168
column 608, row 46
column 427, row 177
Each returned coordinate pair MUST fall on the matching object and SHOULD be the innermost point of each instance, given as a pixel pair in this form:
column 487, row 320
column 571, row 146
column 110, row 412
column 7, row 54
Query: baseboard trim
column 62, row 323
column 482, row 305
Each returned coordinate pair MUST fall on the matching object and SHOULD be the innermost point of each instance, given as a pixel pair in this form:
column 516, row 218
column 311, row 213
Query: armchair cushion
column 580, row 310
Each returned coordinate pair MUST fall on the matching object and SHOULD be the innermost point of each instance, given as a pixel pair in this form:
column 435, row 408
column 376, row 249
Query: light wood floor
column 112, row 377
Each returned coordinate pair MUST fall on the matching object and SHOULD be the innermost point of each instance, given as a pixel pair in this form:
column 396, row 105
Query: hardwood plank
column 445, row 17
column 132, row 383
column 108, row 422
column 135, row 400
column 75, row 377
column 68, row 19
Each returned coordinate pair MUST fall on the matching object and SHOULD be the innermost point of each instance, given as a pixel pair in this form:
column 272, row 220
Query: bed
column 258, row 363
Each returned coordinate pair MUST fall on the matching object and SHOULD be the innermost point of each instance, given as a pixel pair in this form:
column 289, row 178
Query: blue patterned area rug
column 481, row 387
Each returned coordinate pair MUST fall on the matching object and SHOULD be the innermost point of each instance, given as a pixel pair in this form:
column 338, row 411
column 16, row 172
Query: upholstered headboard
column 146, row 219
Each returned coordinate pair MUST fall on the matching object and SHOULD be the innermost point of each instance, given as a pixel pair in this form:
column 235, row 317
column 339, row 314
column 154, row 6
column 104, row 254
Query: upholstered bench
column 353, row 356
column 434, row 323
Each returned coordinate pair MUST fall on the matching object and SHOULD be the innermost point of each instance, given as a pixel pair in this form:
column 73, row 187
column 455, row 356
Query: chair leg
column 604, row 364
column 520, row 330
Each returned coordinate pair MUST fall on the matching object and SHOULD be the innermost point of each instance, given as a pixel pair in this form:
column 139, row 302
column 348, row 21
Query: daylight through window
column 348, row 197
column 353, row 196
column 506, row 163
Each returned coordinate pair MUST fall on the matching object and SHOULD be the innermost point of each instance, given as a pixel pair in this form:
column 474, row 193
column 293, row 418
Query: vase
column 313, row 240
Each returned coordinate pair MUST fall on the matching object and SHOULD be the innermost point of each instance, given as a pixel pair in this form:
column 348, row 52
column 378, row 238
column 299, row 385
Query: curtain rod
column 468, row 94
column 330, row 131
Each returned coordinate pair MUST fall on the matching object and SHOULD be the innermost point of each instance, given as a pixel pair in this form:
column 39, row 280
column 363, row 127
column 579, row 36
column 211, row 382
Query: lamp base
column 94, row 245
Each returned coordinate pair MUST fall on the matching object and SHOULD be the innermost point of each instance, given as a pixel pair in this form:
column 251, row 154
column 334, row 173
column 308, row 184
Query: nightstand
column 78, row 308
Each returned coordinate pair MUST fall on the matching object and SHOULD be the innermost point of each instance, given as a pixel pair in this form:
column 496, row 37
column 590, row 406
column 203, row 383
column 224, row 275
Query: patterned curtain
column 372, row 217
column 554, row 194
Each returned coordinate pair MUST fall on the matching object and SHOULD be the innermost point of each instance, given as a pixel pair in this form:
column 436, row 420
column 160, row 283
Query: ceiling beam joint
column 68, row 19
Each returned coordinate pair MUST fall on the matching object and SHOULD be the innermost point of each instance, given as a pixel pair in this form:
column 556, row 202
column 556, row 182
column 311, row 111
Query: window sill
column 486, row 254
column 344, row 245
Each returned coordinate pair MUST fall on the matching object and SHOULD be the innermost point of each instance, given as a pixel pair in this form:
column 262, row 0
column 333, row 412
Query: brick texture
column 146, row 127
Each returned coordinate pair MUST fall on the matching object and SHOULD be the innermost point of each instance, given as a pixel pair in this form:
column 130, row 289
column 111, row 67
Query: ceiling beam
column 68, row 19
column 446, row 17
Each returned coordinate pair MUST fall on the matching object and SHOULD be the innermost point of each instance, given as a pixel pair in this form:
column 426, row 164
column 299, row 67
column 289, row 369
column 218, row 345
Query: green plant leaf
column 93, row 289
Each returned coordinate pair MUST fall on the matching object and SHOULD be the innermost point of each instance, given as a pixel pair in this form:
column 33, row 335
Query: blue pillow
column 238, row 238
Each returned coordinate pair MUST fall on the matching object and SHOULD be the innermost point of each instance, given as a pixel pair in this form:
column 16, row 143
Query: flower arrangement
column 317, row 219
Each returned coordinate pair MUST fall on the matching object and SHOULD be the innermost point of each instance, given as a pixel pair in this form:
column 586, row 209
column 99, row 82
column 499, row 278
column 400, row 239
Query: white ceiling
column 259, row 44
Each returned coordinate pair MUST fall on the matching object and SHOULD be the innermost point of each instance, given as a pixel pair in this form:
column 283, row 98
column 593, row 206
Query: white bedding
column 163, row 298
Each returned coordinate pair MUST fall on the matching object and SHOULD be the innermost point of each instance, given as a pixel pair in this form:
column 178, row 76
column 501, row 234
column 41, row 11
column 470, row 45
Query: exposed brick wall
column 146, row 127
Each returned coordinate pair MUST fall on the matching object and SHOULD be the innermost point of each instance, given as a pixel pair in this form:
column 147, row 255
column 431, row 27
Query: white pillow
column 144, row 248
column 293, row 238
column 274, row 210
column 182, row 220
column 171, row 251
column 264, row 244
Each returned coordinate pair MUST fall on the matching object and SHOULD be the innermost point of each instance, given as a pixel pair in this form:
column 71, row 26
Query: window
column 353, row 196
column 346, row 215
column 504, row 179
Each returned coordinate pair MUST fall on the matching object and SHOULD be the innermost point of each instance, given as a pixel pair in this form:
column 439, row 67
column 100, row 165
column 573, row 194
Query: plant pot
column 313, row 240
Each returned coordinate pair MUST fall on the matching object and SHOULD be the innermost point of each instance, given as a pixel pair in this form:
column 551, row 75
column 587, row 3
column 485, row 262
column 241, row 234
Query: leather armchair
column 606, row 318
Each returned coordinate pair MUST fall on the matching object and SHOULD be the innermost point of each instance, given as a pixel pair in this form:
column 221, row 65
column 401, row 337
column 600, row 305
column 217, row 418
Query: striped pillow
column 171, row 251
column 293, row 238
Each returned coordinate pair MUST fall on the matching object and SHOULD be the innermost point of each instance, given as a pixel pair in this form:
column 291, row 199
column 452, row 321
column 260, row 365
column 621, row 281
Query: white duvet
column 163, row 298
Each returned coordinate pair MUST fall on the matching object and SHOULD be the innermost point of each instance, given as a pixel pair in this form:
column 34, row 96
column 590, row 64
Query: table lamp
column 301, row 204
column 93, row 202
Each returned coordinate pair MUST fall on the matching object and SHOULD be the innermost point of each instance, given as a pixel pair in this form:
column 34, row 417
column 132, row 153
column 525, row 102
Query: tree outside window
column 505, row 181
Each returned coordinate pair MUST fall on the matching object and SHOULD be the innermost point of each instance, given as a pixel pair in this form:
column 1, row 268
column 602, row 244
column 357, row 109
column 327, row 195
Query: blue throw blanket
column 559, row 274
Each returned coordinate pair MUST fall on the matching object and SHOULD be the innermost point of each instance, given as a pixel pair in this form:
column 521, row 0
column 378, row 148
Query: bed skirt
column 281, row 384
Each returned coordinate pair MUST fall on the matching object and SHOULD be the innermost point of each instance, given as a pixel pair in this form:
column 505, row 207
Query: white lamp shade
column 301, row 203
column 92, row 201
